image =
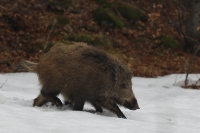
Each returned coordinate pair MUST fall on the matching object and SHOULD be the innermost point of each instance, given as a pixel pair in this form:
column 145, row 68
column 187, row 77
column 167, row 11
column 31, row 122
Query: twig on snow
column 3, row 83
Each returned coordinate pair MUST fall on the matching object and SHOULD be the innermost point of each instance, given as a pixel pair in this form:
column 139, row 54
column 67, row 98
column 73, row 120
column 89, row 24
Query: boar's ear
column 115, row 73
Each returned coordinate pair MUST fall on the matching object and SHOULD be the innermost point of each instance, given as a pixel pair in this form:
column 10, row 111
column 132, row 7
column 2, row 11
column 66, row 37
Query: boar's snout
column 131, row 104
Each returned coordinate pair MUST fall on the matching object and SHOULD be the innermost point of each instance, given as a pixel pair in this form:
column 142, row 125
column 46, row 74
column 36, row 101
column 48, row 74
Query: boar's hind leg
column 114, row 108
column 52, row 97
column 97, row 107
column 39, row 101
column 55, row 100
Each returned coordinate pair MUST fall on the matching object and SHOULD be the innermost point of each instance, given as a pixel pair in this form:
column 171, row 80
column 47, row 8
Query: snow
column 165, row 107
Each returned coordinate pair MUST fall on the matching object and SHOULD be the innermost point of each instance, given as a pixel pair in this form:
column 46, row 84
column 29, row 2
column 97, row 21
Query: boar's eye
column 123, row 86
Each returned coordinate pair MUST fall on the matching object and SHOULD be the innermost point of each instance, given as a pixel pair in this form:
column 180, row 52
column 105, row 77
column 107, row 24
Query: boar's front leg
column 68, row 103
column 79, row 104
column 114, row 108
column 97, row 107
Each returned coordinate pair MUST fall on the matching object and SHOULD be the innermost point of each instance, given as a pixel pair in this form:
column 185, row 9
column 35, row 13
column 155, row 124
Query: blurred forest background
column 154, row 37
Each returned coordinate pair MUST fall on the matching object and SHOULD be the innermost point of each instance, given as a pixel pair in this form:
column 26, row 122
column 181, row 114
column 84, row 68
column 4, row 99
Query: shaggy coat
column 84, row 73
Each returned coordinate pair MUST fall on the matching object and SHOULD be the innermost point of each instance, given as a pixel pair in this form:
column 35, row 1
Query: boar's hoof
column 99, row 109
column 122, row 116
column 69, row 103
column 56, row 101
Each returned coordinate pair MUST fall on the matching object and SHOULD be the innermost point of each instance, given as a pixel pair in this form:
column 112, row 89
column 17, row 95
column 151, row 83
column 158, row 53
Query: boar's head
column 123, row 88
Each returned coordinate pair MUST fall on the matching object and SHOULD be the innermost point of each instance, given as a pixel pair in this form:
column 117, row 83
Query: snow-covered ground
column 165, row 108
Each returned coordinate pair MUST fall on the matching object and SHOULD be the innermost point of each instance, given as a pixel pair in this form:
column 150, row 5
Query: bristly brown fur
column 83, row 73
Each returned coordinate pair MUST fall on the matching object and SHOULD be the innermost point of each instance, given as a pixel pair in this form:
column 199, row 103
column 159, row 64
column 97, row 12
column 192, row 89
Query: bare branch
column 49, row 35
column 51, row 31
column 192, row 59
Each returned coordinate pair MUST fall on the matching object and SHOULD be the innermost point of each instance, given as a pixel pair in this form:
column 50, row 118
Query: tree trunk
column 192, row 8
column 193, row 18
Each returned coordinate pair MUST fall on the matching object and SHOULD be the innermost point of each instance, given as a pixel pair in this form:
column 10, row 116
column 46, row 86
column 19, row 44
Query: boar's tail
column 27, row 66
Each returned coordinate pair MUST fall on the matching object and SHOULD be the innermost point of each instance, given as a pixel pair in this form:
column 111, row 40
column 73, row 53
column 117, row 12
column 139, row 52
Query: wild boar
column 83, row 73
